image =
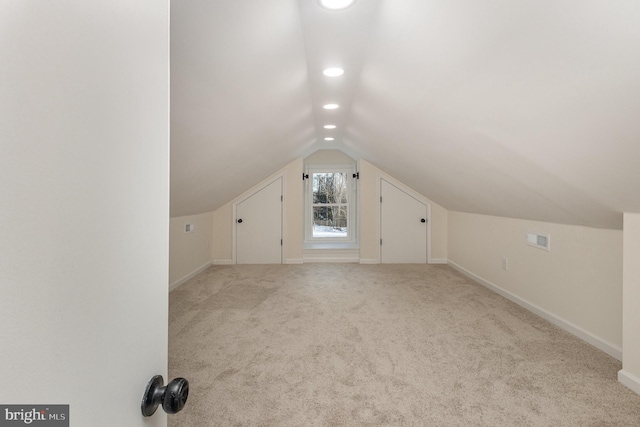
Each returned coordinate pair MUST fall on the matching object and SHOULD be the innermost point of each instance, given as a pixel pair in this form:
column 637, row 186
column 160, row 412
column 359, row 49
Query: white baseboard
column 183, row 279
column 293, row 261
column 629, row 380
column 601, row 344
column 369, row 261
column 222, row 262
column 308, row 260
column 350, row 255
column 439, row 261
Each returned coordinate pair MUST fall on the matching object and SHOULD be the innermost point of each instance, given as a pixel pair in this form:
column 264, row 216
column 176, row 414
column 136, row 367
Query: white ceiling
column 518, row 108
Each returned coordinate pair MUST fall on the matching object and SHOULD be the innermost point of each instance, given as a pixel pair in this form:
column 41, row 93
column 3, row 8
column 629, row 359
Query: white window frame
column 351, row 204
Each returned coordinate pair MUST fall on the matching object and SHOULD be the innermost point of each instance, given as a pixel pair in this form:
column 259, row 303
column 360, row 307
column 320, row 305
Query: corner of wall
column 629, row 380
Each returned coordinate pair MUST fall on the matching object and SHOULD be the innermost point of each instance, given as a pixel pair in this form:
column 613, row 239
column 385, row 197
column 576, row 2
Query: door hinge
column 282, row 198
column 356, row 175
column 305, row 176
column 280, row 242
column 380, row 242
column 380, row 199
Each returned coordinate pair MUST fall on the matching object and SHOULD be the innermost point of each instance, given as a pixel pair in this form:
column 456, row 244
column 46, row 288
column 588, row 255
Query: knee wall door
column 403, row 226
column 259, row 226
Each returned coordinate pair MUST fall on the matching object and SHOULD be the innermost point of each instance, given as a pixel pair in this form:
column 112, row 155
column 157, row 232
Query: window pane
column 330, row 221
column 329, row 188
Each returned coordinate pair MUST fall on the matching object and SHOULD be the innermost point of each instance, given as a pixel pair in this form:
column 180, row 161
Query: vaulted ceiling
column 518, row 108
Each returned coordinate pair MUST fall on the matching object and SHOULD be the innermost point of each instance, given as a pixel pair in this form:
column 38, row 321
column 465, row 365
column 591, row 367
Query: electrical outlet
column 505, row 263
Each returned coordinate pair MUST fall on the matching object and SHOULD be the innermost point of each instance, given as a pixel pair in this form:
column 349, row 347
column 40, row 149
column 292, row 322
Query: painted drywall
column 222, row 231
column 369, row 224
column 630, row 374
column 329, row 157
column 189, row 253
column 293, row 229
column 84, row 196
column 579, row 281
column 439, row 233
column 370, row 217
column 223, row 221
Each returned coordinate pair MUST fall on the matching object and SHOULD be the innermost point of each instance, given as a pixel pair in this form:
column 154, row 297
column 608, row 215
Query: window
column 330, row 207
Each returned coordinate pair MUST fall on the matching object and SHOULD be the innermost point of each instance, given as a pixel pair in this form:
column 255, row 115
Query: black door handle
column 172, row 396
column 423, row 220
column 240, row 221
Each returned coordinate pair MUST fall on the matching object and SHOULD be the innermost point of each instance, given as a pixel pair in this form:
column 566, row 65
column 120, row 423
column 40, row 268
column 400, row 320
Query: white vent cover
column 538, row 240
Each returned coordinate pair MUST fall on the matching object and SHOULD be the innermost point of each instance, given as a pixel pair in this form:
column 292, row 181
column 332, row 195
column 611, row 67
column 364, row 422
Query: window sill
column 331, row 252
column 331, row 245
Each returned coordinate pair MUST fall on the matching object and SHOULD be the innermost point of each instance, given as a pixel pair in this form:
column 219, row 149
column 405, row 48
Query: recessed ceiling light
column 333, row 72
column 329, row 138
column 336, row 4
column 329, row 126
column 330, row 106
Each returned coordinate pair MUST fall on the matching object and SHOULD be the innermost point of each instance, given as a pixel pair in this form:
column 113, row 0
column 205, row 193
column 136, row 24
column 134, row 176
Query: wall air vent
column 538, row 240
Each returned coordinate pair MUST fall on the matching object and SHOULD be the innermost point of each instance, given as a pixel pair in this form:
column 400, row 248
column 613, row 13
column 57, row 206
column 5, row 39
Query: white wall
column 329, row 157
column 369, row 223
column 189, row 253
column 293, row 213
column 222, row 232
column 578, row 284
column 84, row 205
column 630, row 374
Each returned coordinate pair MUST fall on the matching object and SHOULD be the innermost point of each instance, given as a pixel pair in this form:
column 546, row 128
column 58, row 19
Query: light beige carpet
column 369, row 345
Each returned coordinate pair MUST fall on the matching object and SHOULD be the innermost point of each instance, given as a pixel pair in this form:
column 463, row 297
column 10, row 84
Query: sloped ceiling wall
column 240, row 100
column 525, row 109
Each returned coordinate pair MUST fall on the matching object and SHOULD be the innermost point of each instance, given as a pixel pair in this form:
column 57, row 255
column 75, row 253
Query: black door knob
column 240, row 221
column 423, row 220
column 172, row 397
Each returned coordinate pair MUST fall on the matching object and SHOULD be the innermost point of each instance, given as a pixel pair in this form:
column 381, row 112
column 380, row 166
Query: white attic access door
column 403, row 226
column 258, row 225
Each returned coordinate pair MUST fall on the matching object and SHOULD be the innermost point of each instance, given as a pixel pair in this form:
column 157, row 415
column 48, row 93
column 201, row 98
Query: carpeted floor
column 369, row 345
